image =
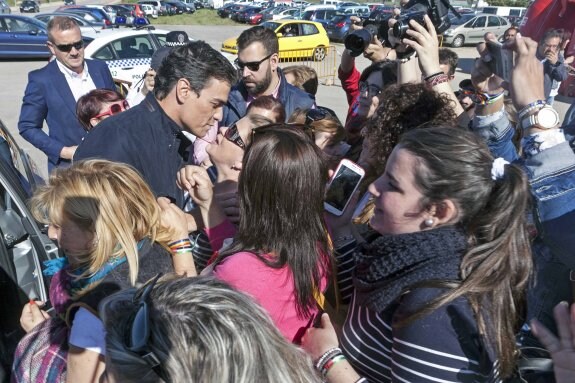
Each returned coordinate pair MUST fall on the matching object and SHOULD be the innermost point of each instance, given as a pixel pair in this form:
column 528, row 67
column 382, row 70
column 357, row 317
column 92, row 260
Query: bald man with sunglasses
column 52, row 93
column 260, row 75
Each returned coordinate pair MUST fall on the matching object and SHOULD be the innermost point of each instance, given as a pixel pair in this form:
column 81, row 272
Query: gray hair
column 202, row 331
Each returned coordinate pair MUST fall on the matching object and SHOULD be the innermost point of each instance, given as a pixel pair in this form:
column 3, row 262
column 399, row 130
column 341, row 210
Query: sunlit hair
column 304, row 76
column 259, row 34
column 62, row 23
column 281, row 189
column 271, row 104
column 330, row 124
column 107, row 198
column 202, row 330
column 448, row 57
column 90, row 104
column 454, row 164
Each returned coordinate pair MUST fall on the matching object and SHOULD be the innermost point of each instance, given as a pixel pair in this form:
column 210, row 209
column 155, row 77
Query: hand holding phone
column 501, row 63
column 342, row 186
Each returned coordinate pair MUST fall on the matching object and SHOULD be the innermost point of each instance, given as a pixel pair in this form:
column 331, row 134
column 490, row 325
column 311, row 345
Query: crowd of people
column 197, row 247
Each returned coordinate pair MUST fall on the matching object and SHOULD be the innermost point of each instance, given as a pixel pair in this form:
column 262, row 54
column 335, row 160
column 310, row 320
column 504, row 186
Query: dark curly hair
column 402, row 108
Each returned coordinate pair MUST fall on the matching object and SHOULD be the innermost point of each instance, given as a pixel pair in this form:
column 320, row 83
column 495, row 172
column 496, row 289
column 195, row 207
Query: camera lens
column 400, row 28
column 357, row 41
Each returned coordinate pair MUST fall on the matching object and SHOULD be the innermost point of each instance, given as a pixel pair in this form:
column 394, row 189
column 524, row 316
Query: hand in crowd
column 424, row 41
column 552, row 57
column 316, row 341
column 67, row 152
column 527, row 75
column 149, row 81
column 229, row 203
column 482, row 77
column 562, row 348
column 195, row 180
column 173, row 218
column 32, row 315
column 376, row 52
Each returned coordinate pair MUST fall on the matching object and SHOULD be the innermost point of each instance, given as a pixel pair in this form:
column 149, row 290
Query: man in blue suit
column 52, row 92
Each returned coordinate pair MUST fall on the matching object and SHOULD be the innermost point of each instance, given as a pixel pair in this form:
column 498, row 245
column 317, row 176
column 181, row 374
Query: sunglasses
column 253, row 66
column 138, row 334
column 318, row 114
column 233, row 135
column 68, row 47
column 372, row 89
column 116, row 108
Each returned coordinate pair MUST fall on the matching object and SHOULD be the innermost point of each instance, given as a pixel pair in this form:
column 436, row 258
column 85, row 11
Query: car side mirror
column 279, row 34
column 33, row 32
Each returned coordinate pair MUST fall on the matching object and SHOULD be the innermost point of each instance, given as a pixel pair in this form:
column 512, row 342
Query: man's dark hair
column 448, row 57
column 62, row 23
column 551, row 33
column 388, row 71
column 265, row 36
column 198, row 63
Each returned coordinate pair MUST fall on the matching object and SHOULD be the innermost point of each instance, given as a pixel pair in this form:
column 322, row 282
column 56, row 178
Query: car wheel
column 319, row 54
column 458, row 41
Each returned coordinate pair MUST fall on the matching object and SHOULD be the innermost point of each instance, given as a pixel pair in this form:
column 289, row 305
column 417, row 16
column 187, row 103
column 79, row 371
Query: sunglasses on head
column 372, row 89
column 68, row 47
column 233, row 135
column 138, row 334
column 253, row 66
column 115, row 108
column 318, row 114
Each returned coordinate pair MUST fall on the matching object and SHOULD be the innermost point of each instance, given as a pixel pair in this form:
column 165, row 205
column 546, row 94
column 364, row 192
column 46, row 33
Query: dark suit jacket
column 48, row 97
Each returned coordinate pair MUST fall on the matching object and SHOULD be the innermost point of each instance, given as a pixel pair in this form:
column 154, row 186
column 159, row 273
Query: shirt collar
column 70, row 73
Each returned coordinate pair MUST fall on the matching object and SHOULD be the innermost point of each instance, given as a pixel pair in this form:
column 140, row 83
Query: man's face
column 199, row 113
column 510, row 35
column 446, row 68
column 257, row 82
column 61, row 42
column 551, row 45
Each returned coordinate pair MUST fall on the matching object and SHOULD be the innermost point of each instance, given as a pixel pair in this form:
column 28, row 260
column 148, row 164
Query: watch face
column 547, row 118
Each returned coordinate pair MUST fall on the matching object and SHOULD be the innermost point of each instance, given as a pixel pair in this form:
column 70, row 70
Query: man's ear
column 183, row 90
column 51, row 48
column 442, row 212
column 274, row 61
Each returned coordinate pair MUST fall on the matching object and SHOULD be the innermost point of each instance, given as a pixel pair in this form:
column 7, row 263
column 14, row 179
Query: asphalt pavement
column 14, row 77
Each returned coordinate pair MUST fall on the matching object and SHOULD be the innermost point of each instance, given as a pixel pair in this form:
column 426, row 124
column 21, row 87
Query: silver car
column 470, row 29
column 4, row 7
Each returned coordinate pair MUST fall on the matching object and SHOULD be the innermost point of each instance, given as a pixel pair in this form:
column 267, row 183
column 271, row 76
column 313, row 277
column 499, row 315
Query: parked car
column 128, row 53
column 322, row 16
column 234, row 11
column 22, row 37
column 149, row 10
column 255, row 19
column 95, row 13
column 181, row 7
column 136, row 9
column 470, row 29
column 290, row 13
column 69, row 2
column 381, row 13
column 4, row 8
column 303, row 38
column 338, row 27
column 29, row 6
column 85, row 25
column 157, row 4
column 124, row 15
column 270, row 12
column 358, row 10
column 170, row 9
column 224, row 11
column 244, row 16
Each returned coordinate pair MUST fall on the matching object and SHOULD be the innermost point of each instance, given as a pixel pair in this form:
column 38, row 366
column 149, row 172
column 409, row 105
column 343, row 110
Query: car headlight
column 448, row 32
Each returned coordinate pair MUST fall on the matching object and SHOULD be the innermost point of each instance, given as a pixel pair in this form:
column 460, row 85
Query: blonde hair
column 107, row 198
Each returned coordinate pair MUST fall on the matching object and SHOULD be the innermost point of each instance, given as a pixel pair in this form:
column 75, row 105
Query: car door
column 290, row 39
column 23, row 246
column 477, row 30
column 23, row 38
column 493, row 25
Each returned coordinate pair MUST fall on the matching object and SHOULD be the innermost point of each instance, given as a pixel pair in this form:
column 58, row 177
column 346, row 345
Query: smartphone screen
column 342, row 186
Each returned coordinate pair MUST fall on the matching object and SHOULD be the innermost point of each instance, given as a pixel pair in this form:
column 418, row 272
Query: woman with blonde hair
column 108, row 226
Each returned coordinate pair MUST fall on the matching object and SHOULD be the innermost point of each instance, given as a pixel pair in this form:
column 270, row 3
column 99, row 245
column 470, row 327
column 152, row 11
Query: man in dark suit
column 52, row 92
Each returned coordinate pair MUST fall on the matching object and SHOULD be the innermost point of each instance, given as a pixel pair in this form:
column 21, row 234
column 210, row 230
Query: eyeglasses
column 233, row 135
column 138, row 334
column 318, row 114
column 68, row 47
column 253, row 66
column 373, row 90
column 114, row 109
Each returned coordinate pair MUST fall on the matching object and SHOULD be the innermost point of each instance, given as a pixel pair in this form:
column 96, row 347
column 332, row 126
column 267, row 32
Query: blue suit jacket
column 48, row 97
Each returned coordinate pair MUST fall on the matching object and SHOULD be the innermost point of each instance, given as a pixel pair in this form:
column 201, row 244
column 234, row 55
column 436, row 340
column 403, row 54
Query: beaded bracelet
column 326, row 355
column 329, row 364
column 179, row 241
column 437, row 79
column 529, row 108
column 432, row 76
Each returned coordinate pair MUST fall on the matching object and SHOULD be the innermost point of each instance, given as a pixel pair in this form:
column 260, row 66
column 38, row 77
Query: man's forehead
column 254, row 49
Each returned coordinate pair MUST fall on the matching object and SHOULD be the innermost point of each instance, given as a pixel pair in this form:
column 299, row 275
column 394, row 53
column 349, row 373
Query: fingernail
column 518, row 35
column 32, row 302
column 564, row 303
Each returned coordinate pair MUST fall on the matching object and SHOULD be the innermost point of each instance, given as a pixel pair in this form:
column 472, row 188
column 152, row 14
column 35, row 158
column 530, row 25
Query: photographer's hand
column 376, row 52
column 527, row 75
column 424, row 42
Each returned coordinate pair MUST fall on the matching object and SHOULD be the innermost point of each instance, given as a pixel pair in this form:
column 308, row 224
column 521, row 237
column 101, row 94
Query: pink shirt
column 272, row 288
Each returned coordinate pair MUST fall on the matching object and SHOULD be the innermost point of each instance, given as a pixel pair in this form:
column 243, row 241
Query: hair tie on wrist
column 498, row 168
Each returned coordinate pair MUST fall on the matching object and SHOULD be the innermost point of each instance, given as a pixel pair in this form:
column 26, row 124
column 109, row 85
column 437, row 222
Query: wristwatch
column 544, row 118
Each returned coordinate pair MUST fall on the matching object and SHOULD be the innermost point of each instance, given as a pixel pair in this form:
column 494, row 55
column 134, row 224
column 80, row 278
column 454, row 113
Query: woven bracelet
column 437, row 79
column 329, row 364
column 326, row 356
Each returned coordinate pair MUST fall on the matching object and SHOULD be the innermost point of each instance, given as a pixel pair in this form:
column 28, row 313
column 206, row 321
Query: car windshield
column 28, row 3
column 271, row 25
column 461, row 20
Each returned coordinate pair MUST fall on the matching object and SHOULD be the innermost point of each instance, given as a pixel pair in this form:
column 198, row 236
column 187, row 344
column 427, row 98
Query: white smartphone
column 342, row 185
column 501, row 60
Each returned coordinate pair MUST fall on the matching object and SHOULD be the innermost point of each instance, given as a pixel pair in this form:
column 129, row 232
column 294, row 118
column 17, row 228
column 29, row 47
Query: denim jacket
column 551, row 175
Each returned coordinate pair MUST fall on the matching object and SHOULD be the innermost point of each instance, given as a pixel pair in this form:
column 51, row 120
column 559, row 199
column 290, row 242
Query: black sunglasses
column 233, row 135
column 372, row 89
column 253, row 66
column 138, row 336
column 68, row 47
column 317, row 114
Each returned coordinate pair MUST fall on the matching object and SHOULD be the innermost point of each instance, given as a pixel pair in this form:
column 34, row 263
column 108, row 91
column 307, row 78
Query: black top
column 146, row 138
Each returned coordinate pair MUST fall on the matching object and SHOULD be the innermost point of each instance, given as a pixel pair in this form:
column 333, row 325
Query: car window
column 479, row 22
column 104, row 53
column 16, row 25
column 503, row 21
column 133, row 47
column 309, row 29
column 493, row 21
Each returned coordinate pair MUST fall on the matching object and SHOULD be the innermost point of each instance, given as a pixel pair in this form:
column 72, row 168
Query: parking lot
column 13, row 79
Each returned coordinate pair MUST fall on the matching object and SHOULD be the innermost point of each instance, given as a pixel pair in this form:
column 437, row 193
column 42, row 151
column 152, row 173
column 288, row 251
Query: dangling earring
column 429, row 222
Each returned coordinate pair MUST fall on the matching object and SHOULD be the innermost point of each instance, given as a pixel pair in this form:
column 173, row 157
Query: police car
column 128, row 53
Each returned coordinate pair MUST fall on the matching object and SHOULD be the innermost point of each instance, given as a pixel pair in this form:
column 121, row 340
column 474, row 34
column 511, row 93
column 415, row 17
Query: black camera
column 357, row 41
column 437, row 10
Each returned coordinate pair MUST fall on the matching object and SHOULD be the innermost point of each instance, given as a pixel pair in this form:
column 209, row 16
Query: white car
column 149, row 10
column 128, row 53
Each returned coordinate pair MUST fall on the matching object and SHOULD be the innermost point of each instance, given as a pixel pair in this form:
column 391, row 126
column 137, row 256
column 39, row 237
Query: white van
column 319, row 6
column 331, row 2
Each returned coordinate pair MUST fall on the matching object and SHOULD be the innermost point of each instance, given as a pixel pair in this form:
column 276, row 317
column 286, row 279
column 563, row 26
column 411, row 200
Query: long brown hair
column 456, row 165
